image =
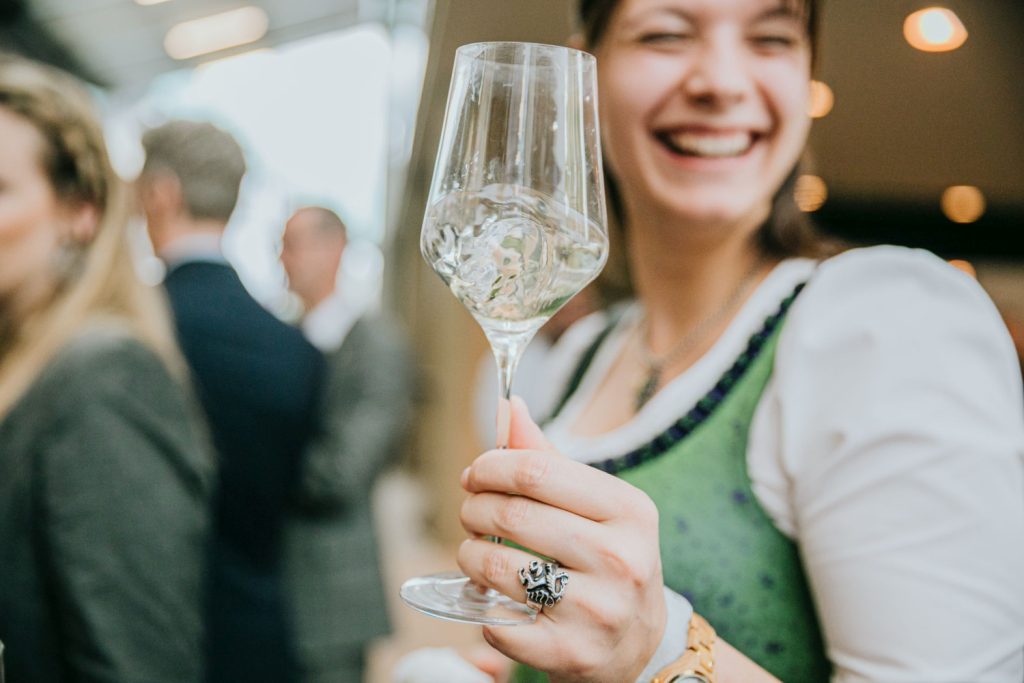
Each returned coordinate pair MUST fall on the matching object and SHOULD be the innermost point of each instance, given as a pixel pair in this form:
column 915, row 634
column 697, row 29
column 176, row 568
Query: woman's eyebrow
column 781, row 11
column 664, row 10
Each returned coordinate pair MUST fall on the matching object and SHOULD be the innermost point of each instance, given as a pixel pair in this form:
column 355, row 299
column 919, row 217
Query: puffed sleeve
column 901, row 433
column 124, row 477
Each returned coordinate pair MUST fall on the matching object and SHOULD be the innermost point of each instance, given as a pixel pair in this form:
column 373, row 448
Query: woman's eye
column 663, row 38
column 776, row 42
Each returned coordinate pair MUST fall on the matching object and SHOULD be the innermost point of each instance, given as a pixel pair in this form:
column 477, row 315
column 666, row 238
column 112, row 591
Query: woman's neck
column 684, row 275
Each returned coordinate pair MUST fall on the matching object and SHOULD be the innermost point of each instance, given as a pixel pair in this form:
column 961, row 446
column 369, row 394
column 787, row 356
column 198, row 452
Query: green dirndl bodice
column 719, row 548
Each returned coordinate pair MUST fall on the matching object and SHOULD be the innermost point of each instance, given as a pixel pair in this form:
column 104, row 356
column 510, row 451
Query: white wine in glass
column 515, row 226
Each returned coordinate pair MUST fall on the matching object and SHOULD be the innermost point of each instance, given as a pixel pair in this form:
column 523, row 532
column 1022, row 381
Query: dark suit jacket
column 259, row 383
column 332, row 558
column 104, row 484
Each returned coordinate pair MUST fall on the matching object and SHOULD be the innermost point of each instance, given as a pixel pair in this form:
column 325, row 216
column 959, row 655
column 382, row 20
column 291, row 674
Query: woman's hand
column 601, row 530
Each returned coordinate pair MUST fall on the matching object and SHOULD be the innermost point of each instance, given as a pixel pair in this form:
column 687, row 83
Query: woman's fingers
column 550, row 478
column 495, row 566
column 575, row 636
column 572, row 540
column 523, row 431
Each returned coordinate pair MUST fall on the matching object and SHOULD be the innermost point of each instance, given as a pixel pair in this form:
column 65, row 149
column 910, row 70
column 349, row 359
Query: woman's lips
column 709, row 144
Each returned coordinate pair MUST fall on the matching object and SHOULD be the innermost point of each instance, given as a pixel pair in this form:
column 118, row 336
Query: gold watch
column 696, row 665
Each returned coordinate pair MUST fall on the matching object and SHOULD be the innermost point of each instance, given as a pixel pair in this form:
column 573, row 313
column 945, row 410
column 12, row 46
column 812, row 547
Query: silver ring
column 544, row 583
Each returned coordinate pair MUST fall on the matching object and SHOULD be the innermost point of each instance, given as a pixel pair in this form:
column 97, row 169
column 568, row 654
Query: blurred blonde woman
column 103, row 471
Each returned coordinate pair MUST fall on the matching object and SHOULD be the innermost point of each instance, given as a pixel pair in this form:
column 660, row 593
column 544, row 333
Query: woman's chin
column 703, row 212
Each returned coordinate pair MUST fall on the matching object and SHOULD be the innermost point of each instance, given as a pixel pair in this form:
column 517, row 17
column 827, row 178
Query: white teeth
column 716, row 145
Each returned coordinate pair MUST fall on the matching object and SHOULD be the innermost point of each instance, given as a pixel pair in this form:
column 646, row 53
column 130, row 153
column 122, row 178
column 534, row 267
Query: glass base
column 451, row 596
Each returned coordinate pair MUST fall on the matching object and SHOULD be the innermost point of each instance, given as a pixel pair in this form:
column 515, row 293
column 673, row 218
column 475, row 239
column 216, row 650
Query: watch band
column 697, row 663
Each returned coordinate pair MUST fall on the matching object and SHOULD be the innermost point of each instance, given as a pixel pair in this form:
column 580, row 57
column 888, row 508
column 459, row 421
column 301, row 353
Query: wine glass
column 515, row 226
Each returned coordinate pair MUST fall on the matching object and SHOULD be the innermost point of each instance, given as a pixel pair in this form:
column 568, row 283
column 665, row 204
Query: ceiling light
column 822, row 100
column 935, row 29
column 216, row 32
column 963, row 203
column 149, row 2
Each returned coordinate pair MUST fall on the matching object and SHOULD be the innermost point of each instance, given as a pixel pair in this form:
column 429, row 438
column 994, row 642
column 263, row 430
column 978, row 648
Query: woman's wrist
column 673, row 639
column 697, row 664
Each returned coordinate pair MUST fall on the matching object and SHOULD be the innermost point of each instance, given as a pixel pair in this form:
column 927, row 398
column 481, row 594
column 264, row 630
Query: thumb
column 523, row 431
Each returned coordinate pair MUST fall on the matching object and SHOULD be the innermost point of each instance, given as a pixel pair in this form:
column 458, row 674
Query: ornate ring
column 544, row 583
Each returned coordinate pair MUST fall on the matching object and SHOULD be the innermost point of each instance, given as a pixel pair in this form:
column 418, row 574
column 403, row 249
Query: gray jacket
column 104, row 476
column 331, row 555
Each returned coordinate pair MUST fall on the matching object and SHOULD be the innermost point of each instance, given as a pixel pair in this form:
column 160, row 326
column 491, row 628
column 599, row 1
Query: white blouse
column 889, row 444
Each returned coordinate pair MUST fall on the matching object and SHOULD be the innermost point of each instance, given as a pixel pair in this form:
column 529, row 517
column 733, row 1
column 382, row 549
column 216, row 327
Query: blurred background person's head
column 190, row 181
column 64, row 256
column 311, row 249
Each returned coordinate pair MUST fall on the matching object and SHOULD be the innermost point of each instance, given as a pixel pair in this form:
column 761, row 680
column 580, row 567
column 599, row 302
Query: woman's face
column 704, row 104
column 30, row 214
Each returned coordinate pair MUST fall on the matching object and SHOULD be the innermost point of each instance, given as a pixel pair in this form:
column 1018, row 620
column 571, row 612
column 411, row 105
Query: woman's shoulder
column 872, row 287
column 897, row 312
column 119, row 397
column 102, row 377
column 103, row 353
column 881, row 254
column 892, row 271
column 104, row 363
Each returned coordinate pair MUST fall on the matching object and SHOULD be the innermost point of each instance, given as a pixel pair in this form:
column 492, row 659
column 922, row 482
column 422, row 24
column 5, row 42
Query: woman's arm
column 123, row 484
column 900, row 429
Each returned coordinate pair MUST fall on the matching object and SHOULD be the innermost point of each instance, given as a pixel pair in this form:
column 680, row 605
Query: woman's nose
column 719, row 76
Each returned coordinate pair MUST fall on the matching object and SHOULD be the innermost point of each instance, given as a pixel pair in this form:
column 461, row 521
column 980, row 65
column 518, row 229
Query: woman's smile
column 708, row 143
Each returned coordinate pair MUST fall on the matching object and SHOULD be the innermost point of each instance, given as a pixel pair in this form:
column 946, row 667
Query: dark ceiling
column 22, row 34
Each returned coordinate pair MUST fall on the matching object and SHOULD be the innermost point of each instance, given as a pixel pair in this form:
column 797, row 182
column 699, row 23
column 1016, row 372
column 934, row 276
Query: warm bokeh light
column 935, row 29
column 963, row 203
column 822, row 100
column 964, row 267
column 810, row 193
column 216, row 32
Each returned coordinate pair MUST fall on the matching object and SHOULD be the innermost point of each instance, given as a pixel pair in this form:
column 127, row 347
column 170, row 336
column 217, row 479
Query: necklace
column 655, row 365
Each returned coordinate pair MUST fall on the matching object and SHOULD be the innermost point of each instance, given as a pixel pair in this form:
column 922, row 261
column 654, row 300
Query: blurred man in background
column 259, row 382
column 331, row 557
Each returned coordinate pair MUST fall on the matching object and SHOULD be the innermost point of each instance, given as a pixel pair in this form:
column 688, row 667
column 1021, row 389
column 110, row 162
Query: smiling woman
column 781, row 439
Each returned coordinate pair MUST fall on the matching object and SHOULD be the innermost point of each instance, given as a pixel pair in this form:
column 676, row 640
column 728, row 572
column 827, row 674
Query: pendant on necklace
column 648, row 388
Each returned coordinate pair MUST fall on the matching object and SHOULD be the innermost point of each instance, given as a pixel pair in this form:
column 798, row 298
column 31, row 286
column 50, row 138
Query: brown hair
column 788, row 231
column 206, row 160
column 96, row 280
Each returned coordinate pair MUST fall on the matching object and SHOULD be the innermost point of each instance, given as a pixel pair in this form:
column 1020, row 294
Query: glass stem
column 506, row 357
column 507, row 352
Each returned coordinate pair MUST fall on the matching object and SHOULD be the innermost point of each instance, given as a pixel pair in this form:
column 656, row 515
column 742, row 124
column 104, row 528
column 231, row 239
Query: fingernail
column 464, row 477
